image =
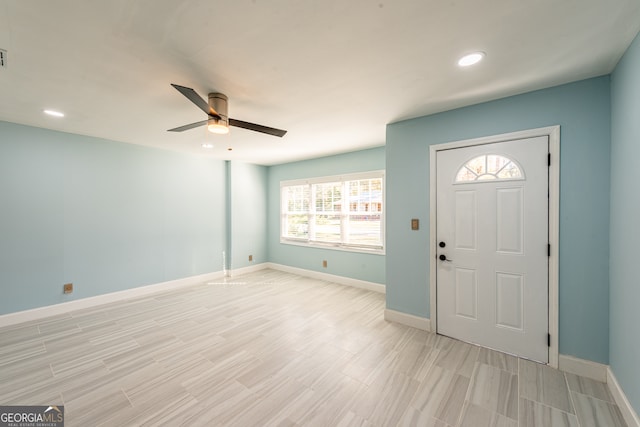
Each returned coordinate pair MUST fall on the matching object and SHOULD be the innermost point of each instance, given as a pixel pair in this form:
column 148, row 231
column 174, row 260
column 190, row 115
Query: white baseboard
column 65, row 307
column 586, row 368
column 247, row 270
column 630, row 416
column 408, row 319
column 356, row 283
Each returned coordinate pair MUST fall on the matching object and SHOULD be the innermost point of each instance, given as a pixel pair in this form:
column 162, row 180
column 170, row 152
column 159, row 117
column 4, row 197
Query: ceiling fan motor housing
column 219, row 102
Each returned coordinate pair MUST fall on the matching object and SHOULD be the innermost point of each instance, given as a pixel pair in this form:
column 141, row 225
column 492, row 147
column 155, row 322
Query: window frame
column 344, row 213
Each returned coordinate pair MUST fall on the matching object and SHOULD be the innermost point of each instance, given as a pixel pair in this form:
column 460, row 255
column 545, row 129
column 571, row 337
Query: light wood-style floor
column 272, row 348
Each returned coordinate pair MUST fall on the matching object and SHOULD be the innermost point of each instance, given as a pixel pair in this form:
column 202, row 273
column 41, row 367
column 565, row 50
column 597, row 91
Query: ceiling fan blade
column 258, row 128
column 187, row 127
column 196, row 99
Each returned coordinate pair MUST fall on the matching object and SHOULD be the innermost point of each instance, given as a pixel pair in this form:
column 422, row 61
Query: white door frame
column 553, row 132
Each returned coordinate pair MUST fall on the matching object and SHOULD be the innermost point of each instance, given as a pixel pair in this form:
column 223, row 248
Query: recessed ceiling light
column 206, row 145
column 472, row 58
column 54, row 113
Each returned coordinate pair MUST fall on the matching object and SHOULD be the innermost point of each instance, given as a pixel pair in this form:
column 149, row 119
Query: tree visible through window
column 345, row 212
column 489, row 167
column 297, row 209
column 327, row 218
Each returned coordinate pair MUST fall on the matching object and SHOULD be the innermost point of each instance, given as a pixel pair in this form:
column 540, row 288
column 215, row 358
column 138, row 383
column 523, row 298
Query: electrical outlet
column 67, row 288
column 324, row 263
column 250, row 257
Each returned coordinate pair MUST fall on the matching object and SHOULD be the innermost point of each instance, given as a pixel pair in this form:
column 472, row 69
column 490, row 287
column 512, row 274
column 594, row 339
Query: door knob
column 443, row 257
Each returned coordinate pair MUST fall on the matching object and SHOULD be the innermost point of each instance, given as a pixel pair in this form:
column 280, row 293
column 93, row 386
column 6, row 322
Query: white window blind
column 345, row 212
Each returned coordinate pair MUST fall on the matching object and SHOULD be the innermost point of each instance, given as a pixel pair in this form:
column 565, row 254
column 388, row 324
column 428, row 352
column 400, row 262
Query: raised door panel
column 510, row 220
column 509, row 301
column 466, row 213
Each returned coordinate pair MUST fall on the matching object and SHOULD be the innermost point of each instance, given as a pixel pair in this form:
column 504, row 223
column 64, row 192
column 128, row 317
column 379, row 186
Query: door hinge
column 548, row 340
column 548, row 249
column 548, row 159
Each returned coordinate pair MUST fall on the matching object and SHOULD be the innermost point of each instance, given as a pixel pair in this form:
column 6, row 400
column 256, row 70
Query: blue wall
column 625, row 228
column 354, row 265
column 104, row 215
column 582, row 110
column 248, row 218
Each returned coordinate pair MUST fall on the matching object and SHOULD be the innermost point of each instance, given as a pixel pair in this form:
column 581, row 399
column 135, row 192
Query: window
column 489, row 167
column 343, row 212
column 297, row 209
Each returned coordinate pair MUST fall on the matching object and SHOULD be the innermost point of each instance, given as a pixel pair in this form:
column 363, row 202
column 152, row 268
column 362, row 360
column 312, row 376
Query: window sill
column 337, row 246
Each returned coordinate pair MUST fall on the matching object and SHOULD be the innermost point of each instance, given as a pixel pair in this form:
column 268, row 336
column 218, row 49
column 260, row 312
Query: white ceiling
column 333, row 73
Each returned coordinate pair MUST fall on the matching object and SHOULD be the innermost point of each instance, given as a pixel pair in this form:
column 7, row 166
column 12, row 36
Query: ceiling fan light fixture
column 471, row 59
column 217, row 126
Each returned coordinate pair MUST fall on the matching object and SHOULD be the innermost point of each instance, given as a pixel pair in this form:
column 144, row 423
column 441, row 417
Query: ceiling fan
column 218, row 120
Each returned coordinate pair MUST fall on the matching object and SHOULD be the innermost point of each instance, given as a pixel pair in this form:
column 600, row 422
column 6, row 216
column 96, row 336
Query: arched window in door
column 489, row 167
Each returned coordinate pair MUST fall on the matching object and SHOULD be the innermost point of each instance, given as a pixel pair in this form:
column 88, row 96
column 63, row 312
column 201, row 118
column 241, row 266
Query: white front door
column 492, row 234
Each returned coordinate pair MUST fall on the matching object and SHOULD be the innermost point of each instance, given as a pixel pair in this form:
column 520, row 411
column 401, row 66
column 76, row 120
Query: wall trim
column 586, row 368
column 629, row 414
column 65, row 307
column 417, row 322
column 356, row 283
column 39, row 313
column 248, row 269
column 553, row 133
